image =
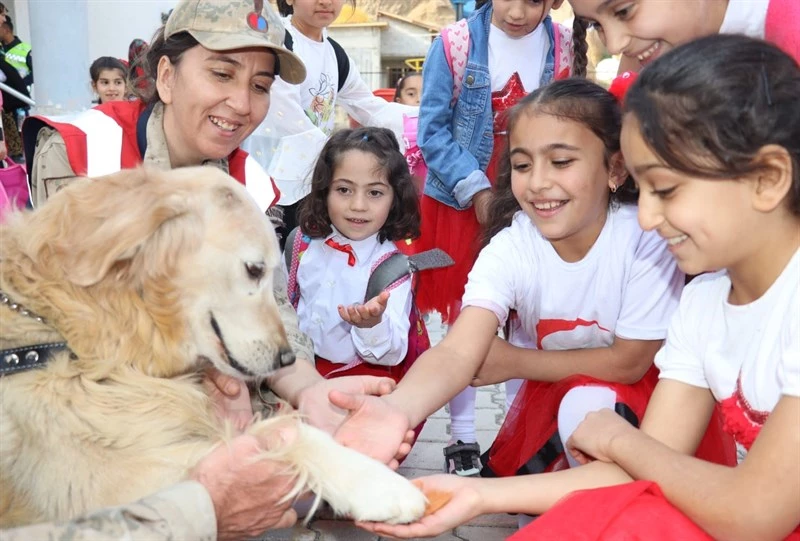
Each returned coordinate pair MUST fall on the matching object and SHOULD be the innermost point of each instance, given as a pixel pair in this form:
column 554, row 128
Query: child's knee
column 577, row 403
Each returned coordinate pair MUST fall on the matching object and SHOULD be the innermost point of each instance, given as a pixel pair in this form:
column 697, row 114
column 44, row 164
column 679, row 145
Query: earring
column 613, row 188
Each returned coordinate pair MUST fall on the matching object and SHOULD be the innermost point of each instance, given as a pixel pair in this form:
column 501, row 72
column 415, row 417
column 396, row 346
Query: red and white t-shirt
column 628, row 284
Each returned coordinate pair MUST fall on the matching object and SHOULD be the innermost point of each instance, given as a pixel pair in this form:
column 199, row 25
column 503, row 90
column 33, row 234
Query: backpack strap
column 389, row 272
column 296, row 244
column 564, row 51
column 455, row 40
column 342, row 62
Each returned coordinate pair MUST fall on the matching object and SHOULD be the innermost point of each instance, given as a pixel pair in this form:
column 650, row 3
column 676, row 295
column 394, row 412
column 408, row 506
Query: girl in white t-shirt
column 592, row 292
column 715, row 154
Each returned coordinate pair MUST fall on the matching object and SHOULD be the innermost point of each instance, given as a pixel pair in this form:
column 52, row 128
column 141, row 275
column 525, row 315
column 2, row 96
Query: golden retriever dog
column 149, row 276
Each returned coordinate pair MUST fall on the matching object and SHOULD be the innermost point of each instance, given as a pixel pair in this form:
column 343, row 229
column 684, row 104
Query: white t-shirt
column 712, row 342
column 505, row 53
column 628, row 284
column 301, row 117
column 747, row 17
column 325, row 281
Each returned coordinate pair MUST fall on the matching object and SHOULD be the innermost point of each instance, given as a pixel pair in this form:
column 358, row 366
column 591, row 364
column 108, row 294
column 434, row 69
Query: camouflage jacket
column 182, row 512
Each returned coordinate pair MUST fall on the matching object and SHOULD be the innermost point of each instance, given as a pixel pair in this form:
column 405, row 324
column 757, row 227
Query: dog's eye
column 255, row 270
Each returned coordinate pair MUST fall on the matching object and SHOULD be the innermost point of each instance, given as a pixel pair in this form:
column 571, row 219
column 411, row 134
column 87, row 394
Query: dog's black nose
column 285, row 357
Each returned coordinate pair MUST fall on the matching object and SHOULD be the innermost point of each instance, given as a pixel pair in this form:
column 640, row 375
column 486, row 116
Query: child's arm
column 368, row 109
column 650, row 296
column 766, row 484
column 453, row 165
column 624, row 361
column 380, row 327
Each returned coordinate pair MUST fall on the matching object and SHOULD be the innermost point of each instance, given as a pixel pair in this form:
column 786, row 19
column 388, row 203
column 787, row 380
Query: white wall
column 113, row 24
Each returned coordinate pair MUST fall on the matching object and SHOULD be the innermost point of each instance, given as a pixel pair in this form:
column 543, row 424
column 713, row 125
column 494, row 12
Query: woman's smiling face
column 213, row 100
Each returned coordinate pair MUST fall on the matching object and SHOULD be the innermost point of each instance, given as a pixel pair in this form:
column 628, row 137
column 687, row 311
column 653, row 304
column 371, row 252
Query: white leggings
column 462, row 411
column 571, row 412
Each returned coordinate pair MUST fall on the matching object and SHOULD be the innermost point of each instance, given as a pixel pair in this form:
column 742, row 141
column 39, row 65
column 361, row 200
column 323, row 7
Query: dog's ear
column 100, row 224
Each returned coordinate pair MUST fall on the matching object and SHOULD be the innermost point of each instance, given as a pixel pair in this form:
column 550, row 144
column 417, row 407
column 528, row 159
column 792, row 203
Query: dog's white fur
column 130, row 270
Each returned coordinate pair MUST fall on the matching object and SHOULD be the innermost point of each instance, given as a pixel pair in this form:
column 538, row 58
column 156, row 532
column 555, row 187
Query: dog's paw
column 380, row 495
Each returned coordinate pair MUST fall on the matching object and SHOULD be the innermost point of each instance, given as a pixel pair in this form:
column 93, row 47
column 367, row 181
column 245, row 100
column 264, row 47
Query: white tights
column 573, row 409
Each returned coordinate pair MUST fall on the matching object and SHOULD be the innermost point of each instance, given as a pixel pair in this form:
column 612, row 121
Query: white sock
column 462, row 416
column 574, row 407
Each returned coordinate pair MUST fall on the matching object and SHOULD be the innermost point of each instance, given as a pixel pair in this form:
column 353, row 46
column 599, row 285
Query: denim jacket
column 457, row 141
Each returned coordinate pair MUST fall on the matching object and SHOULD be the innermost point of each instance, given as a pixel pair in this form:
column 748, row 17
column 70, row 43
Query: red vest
column 94, row 141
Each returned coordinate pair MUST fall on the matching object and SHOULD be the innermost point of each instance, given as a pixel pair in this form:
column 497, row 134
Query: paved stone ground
column 425, row 459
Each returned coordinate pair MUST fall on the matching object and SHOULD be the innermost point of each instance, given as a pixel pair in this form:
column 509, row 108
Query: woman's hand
column 231, row 398
column 464, row 504
column 593, row 438
column 365, row 316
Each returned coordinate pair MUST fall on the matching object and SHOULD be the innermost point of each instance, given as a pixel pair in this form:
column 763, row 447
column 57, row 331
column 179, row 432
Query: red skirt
column 528, row 441
column 458, row 233
column 631, row 512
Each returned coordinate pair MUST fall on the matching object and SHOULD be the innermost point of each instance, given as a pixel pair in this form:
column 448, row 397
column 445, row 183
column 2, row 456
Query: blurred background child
column 109, row 76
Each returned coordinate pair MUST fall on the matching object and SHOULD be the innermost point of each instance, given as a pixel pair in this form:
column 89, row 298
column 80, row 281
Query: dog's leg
column 354, row 484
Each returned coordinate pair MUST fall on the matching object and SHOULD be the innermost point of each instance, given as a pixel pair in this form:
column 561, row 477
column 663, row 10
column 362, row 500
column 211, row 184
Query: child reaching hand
column 474, row 72
column 362, row 201
column 715, row 154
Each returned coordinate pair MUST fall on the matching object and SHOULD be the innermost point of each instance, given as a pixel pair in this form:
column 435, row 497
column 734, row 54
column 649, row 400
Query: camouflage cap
column 222, row 25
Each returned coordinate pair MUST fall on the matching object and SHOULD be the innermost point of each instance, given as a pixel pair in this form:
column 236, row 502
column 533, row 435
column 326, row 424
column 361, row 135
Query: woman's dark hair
column 285, row 9
column 106, row 63
column 708, row 107
column 577, row 100
column 173, row 48
column 404, row 216
column 401, row 83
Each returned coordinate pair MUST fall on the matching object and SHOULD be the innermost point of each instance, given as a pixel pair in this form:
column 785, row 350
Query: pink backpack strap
column 455, row 40
column 564, row 51
column 781, row 28
column 296, row 244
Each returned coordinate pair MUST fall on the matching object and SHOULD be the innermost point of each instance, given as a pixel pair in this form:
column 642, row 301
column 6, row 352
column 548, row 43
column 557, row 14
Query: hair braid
column 580, row 46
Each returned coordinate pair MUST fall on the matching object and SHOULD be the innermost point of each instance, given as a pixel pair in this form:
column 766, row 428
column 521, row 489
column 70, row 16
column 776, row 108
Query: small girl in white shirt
column 362, row 202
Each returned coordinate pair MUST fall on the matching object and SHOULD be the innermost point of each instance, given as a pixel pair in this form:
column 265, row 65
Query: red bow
column 346, row 248
column 621, row 83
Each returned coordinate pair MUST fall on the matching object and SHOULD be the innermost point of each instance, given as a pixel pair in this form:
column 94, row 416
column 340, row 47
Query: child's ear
column 773, row 180
column 617, row 173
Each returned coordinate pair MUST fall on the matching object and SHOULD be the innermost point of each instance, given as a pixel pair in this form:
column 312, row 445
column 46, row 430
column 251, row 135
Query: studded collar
column 23, row 358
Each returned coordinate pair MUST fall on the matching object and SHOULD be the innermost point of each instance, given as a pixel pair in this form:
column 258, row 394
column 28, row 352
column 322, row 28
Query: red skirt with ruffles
column 634, row 511
column 458, row 233
column 528, row 441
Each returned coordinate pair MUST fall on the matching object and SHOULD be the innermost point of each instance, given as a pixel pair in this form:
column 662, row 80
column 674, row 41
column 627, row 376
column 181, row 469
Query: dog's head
column 162, row 270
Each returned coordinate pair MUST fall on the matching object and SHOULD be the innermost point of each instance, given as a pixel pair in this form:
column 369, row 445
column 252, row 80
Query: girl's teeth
column 649, row 52
column 676, row 240
column 548, row 205
column 222, row 124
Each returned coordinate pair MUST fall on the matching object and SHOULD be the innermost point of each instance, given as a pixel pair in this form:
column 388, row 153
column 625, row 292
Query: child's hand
column 367, row 315
column 464, row 503
column 592, row 439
